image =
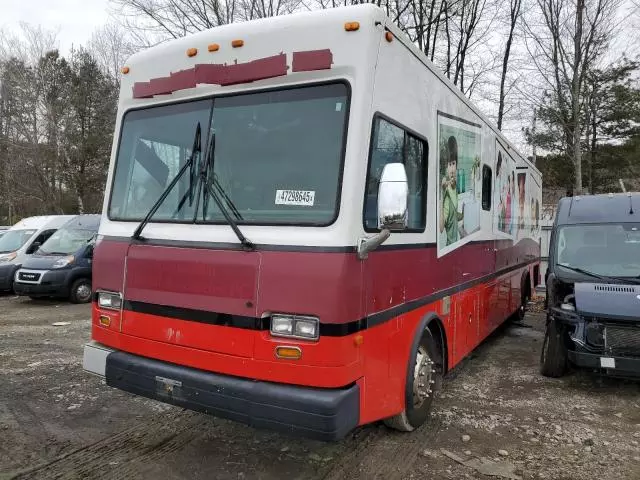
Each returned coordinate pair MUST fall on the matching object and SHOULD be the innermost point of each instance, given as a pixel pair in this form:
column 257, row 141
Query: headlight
column 295, row 326
column 110, row 300
column 63, row 262
column 7, row 257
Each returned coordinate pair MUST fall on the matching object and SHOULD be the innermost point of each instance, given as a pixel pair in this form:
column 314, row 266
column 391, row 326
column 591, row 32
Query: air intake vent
column 614, row 288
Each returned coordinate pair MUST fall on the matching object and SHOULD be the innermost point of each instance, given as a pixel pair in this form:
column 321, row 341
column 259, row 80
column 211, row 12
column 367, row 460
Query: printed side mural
column 460, row 192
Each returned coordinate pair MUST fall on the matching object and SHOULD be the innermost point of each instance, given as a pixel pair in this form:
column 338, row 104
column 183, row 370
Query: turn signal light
column 351, row 26
column 288, row 353
column 105, row 321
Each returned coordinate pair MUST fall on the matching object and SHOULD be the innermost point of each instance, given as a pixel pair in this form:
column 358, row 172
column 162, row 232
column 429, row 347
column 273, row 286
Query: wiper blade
column 601, row 277
column 209, row 185
column 196, row 149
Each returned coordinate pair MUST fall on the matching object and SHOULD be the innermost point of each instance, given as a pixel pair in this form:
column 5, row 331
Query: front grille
column 622, row 340
column 29, row 277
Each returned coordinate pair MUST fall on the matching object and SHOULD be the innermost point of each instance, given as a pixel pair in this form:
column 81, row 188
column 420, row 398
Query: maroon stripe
column 312, row 60
column 261, row 69
column 337, row 287
column 184, row 79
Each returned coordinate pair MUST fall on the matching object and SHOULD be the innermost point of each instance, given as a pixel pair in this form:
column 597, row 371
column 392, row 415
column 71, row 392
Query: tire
column 553, row 358
column 518, row 316
column 418, row 400
column 80, row 291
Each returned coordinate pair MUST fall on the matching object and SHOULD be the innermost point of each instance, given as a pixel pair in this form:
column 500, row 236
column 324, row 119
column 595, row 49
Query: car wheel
column 80, row 291
column 553, row 358
column 424, row 379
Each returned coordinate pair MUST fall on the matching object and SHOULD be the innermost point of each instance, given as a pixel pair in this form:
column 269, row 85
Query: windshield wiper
column 601, row 277
column 196, row 149
column 206, row 172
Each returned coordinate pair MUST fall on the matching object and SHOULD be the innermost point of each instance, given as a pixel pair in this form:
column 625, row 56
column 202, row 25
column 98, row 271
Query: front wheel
column 80, row 291
column 424, row 379
column 553, row 358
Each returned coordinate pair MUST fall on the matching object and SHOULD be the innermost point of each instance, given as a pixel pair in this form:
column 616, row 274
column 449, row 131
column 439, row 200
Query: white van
column 22, row 240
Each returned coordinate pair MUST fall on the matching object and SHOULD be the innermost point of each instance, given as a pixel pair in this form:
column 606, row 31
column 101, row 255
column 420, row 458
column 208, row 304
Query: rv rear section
column 305, row 226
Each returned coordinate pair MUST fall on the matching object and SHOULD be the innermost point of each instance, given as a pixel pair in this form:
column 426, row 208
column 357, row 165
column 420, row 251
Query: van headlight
column 110, row 300
column 295, row 326
column 63, row 262
column 8, row 257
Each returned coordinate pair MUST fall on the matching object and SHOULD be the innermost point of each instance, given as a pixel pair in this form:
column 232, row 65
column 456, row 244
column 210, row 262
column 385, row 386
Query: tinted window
column 392, row 144
column 14, row 239
column 486, row 187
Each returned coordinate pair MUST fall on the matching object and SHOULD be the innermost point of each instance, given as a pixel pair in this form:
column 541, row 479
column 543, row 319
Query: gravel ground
column 496, row 416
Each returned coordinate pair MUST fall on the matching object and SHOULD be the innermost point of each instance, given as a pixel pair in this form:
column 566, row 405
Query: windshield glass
column 66, row 241
column 603, row 249
column 14, row 239
column 277, row 158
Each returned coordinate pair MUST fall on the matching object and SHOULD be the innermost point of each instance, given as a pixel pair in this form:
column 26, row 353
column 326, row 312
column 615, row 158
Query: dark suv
column 593, row 286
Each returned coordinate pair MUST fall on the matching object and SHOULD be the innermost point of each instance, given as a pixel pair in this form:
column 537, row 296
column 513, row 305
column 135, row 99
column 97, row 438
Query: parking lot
column 496, row 415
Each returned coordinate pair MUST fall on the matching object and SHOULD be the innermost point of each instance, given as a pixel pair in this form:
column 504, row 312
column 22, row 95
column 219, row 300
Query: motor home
column 305, row 226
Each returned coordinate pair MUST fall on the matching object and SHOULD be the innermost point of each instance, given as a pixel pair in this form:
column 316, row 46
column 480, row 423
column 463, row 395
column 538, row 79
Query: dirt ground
column 496, row 415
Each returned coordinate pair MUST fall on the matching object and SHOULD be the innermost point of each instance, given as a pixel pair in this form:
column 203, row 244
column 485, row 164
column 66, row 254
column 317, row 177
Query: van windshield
column 611, row 249
column 277, row 158
column 14, row 240
column 66, row 241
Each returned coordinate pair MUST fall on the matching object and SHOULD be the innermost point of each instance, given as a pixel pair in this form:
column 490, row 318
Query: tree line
column 542, row 69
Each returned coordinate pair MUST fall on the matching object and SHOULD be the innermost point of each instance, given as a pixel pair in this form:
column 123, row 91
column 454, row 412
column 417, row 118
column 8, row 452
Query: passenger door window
column 394, row 144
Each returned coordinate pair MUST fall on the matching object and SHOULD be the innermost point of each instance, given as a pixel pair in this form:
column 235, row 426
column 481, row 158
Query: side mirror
column 393, row 195
column 89, row 251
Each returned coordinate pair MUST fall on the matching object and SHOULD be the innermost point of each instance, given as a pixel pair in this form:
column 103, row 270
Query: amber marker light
column 124, row 70
column 213, row 47
column 351, row 26
column 192, row 52
column 288, row 353
column 358, row 340
column 105, row 321
column 237, row 43
column 389, row 36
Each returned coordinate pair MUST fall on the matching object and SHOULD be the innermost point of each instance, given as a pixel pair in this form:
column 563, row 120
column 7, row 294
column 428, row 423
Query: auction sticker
column 295, row 197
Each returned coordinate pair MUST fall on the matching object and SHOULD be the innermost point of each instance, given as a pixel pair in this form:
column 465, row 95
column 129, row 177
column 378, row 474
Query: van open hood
column 621, row 301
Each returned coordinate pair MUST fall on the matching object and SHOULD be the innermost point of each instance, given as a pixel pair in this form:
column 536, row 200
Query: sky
column 75, row 19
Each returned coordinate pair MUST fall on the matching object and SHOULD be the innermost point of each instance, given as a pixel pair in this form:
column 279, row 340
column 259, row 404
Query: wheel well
column 436, row 328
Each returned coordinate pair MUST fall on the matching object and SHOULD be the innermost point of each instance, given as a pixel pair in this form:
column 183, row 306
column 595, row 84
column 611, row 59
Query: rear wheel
column 80, row 291
column 424, row 380
column 553, row 358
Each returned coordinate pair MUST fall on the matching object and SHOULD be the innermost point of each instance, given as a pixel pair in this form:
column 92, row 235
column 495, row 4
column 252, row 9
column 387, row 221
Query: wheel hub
column 423, row 377
column 84, row 291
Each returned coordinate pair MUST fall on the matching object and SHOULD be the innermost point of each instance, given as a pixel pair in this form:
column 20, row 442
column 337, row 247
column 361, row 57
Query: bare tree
column 514, row 15
column 110, row 45
column 566, row 44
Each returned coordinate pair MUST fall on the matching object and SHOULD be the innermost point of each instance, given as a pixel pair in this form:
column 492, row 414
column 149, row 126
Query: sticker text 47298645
column 295, row 197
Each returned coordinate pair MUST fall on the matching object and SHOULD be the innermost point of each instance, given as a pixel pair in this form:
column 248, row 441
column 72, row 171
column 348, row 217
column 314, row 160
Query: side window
column 392, row 144
column 39, row 240
column 486, row 187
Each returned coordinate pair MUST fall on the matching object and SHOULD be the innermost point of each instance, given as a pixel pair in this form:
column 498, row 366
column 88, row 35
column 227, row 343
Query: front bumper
column 613, row 365
column 323, row 414
column 47, row 283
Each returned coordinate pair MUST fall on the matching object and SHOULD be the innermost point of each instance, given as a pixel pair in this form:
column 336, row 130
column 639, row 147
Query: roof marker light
column 388, row 36
column 124, row 70
column 213, row 47
column 352, row 26
column 192, row 52
column 237, row 43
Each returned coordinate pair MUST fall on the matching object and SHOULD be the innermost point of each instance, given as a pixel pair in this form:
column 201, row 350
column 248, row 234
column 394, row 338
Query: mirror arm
column 368, row 244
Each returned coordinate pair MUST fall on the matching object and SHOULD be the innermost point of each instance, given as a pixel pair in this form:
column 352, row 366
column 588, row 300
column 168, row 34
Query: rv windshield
column 14, row 239
column 277, row 157
column 611, row 249
column 66, row 241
